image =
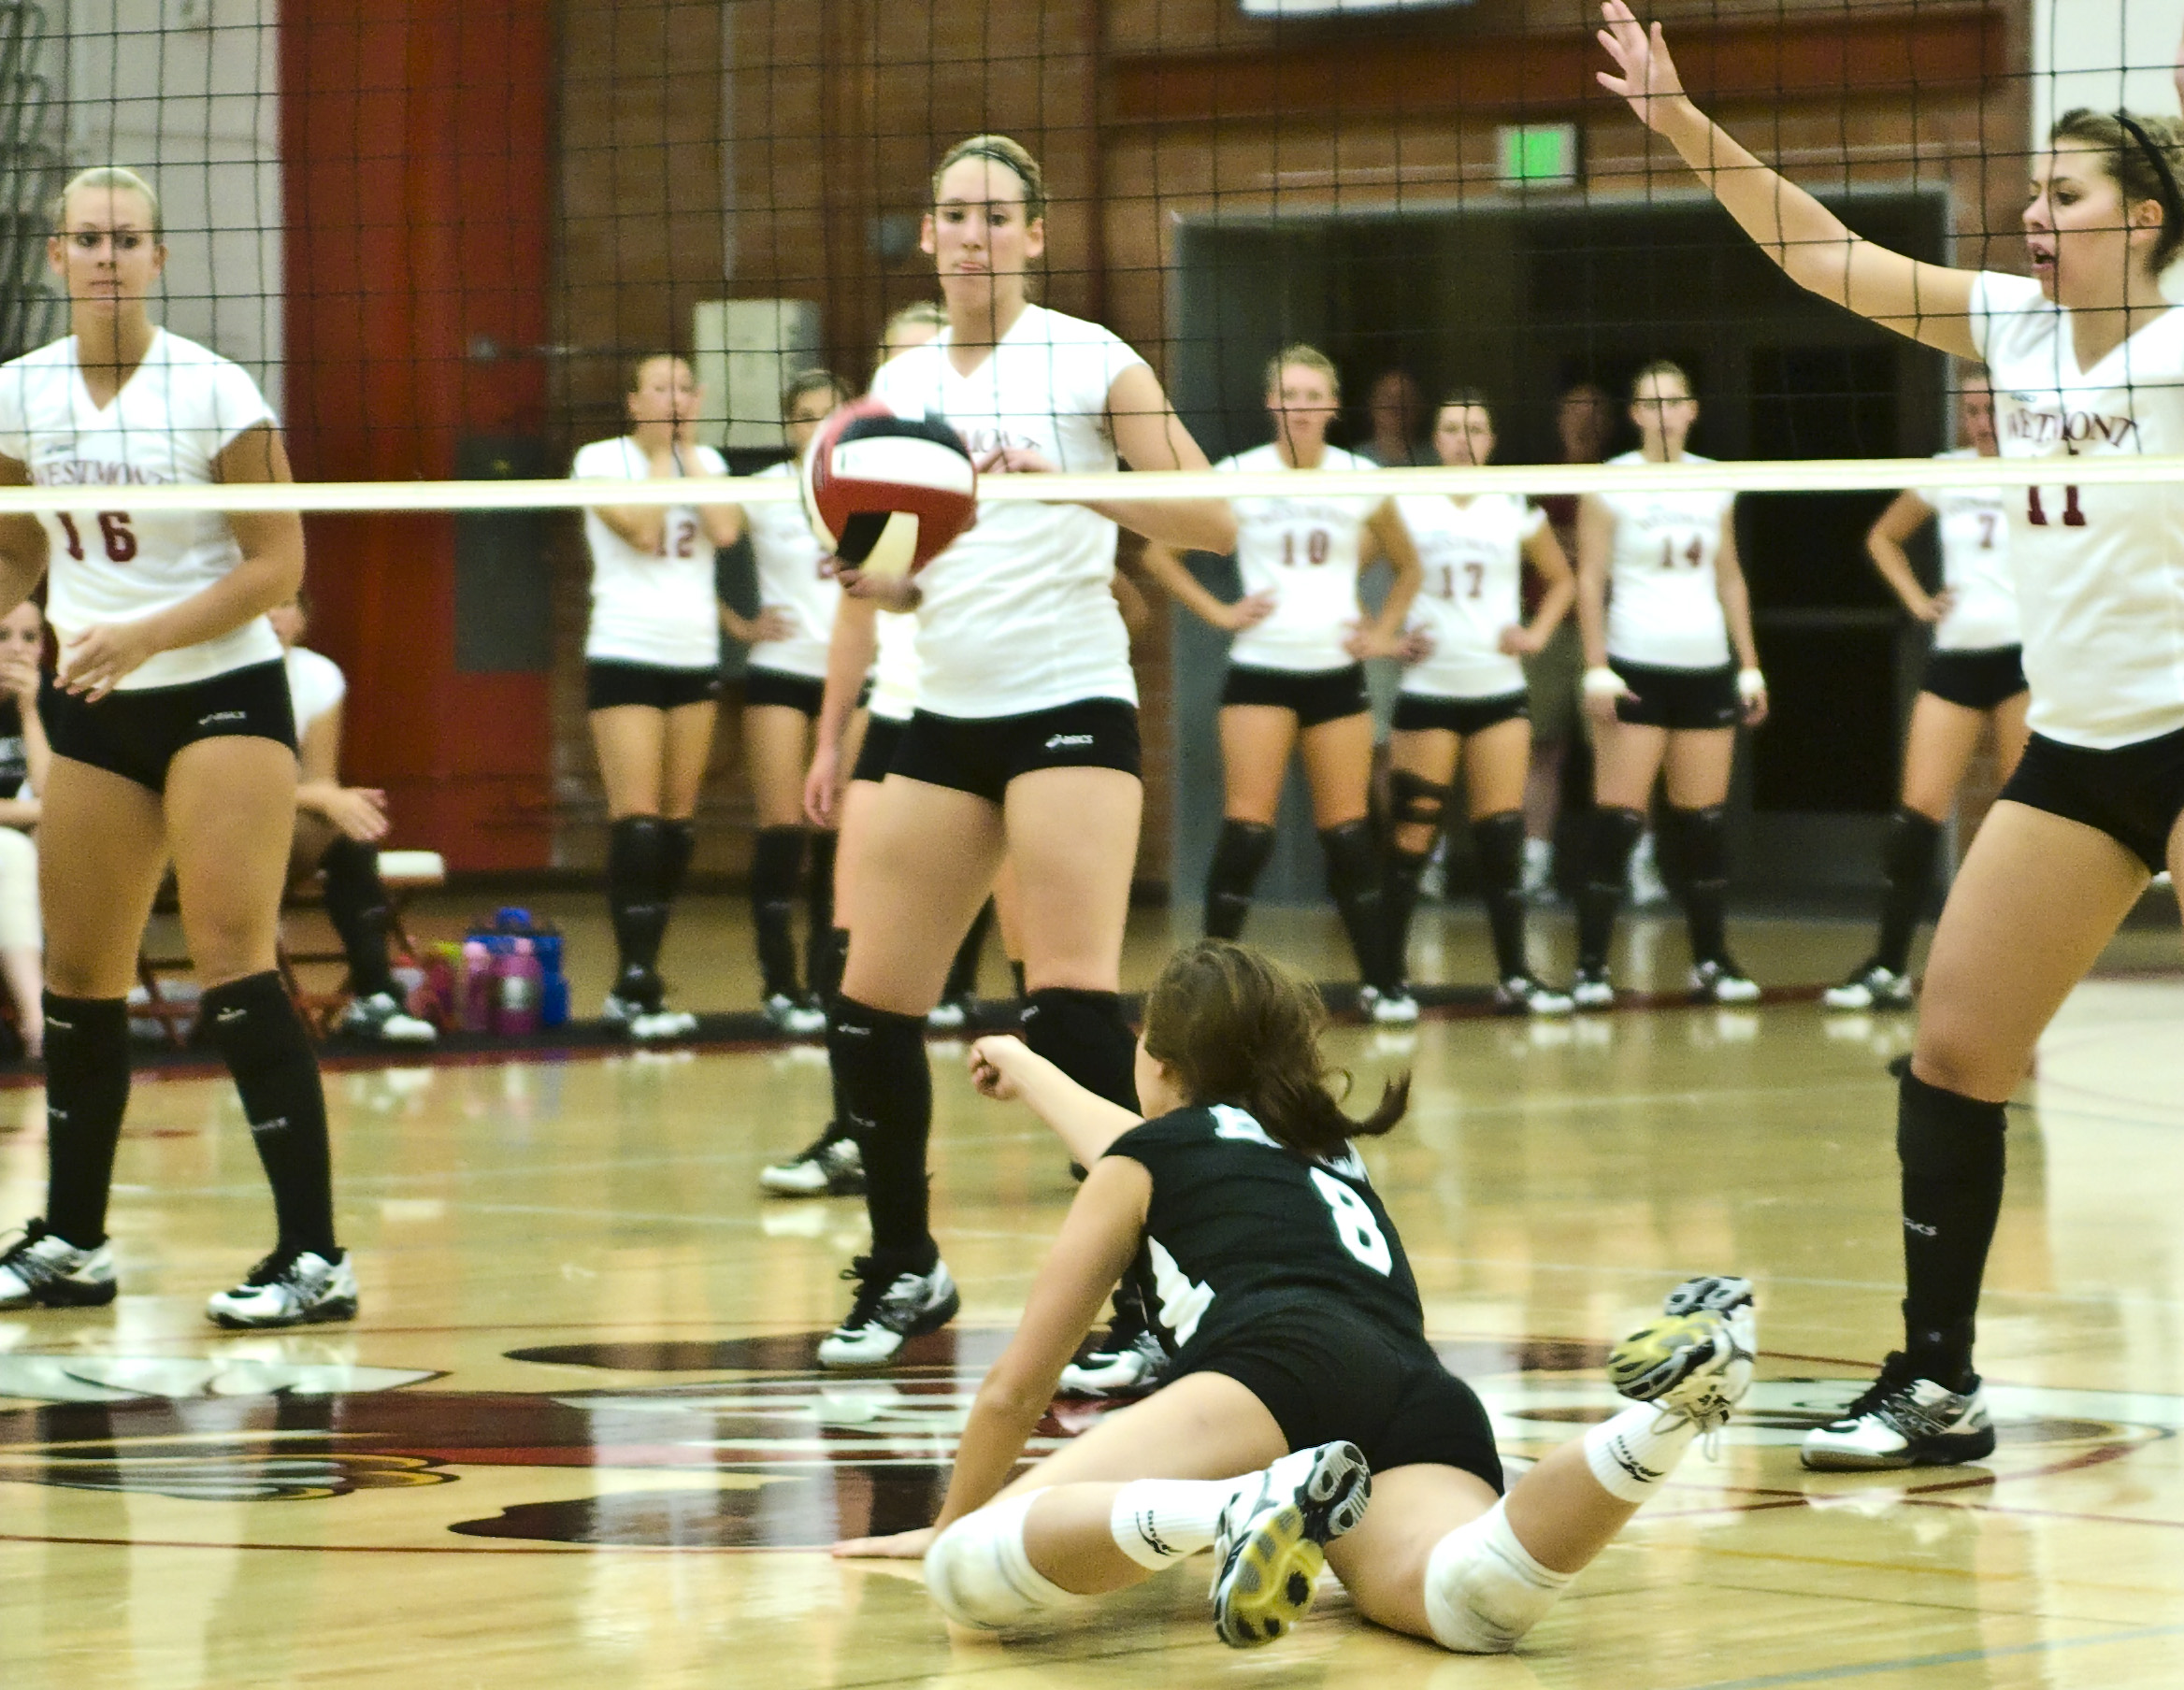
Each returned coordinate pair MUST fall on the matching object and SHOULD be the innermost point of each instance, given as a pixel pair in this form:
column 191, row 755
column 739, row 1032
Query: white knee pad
column 980, row 1575
column 1484, row 1591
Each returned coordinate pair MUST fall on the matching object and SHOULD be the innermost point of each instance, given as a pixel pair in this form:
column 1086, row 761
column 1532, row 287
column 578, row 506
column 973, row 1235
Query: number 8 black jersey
column 1240, row 1226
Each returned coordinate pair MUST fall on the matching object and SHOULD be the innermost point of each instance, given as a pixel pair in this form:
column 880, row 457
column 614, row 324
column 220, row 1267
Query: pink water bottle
column 517, row 977
column 476, row 1001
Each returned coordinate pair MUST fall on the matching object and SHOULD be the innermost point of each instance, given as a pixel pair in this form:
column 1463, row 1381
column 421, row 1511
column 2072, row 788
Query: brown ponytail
column 1238, row 1027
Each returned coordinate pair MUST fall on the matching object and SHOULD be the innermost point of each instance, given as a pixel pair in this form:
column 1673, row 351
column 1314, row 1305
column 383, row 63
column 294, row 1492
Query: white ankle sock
column 1157, row 1521
column 1633, row 1453
column 1483, row 1590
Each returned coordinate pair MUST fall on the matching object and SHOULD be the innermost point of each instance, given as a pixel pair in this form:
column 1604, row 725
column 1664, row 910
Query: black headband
column 2172, row 201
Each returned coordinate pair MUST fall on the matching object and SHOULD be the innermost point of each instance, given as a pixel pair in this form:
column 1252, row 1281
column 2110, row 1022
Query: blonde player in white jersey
column 337, row 834
column 1671, row 671
column 1973, row 685
column 1024, row 742
column 172, row 740
column 782, row 690
column 1463, row 699
column 1295, row 682
column 2087, row 358
column 653, row 673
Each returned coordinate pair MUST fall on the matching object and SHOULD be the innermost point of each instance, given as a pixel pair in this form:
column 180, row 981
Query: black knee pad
column 1353, row 864
column 678, row 841
column 1085, row 1036
column 1943, row 1135
column 777, row 857
column 1698, row 844
column 1499, row 839
column 636, row 847
column 253, row 1024
column 1239, row 857
column 1608, row 845
column 1416, row 800
column 1908, row 852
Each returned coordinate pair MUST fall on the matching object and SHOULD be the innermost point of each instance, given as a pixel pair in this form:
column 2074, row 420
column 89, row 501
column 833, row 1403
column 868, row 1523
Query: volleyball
column 887, row 493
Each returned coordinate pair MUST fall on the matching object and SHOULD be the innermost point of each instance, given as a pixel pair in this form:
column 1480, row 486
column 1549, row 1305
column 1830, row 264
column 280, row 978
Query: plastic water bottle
column 516, row 993
column 553, row 983
column 477, row 987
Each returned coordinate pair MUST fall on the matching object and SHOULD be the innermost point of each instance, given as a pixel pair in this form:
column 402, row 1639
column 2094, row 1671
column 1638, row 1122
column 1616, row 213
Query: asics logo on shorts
column 223, row 716
column 1057, row 742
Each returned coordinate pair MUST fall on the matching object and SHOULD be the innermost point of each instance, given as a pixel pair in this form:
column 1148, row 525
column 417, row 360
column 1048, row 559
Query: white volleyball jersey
column 1972, row 525
column 1473, row 559
column 792, row 579
column 1302, row 551
column 1664, row 602
column 168, row 426
column 315, row 685
column 1019, row 614
column 895, row 670
column 659, row 608
column 2100, row 570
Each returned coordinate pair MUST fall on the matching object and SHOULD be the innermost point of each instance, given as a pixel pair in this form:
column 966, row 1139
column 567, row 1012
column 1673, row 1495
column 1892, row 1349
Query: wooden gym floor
column 576, row 1439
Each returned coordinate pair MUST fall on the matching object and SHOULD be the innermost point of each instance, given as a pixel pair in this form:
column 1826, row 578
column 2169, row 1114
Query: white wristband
column 1750, row 684
column 1602, row 683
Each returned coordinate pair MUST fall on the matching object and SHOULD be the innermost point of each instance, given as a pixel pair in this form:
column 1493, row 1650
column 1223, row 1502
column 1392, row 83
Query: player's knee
column 1483, row 1590
column 1699, row 843
column 1416, row 801
column 1239, row 857
column 980, row 1574
column 1942, row 1133
column 1614, row 836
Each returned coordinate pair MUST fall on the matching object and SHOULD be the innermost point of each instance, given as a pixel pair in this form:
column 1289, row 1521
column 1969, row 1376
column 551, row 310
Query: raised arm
column 1906, row 514
column 1929, row 303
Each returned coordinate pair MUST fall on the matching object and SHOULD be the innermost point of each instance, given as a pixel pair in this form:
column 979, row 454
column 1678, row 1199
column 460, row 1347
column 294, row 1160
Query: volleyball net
column 441, row 243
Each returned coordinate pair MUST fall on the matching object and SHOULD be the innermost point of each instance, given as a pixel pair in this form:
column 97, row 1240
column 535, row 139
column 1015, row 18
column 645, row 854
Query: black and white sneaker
column 1902, row 1420
column 832, row 1165
column 289, row 1288
column 1719, row 980
column 1527, row 995
column 891, row 1305
column 42, row 1266
column 382, row 1020
column 1125, row 1361
column 788, row 1015
column 1591, row 989
column 1875, row 986
column 1272, row 1541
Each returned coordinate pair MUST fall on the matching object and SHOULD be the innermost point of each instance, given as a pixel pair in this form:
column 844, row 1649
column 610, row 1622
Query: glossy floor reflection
column 576, row 1438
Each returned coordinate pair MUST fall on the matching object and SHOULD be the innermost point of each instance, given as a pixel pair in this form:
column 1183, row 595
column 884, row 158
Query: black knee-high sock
column 1084, row 1034
column 1610, row 840
column 777, row 856
column 636, row 846
column 1701, row 851
column 678, row 845
column 1952, row 1150
column 261, row 1039
column 1399, row 891
column 87, row 1092
column 819, row 915
column 963, row 971
column 1239, row 857
column 1017, row 978
column 1500, row 842
column 1914, row 843
column 837, row 954
column 887, row 1091
column 826, row 962
column 356, row 904
column 1353, row 878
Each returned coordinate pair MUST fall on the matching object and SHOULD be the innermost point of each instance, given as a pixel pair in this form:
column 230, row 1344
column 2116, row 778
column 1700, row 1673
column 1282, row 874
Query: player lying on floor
column 1303, row 1384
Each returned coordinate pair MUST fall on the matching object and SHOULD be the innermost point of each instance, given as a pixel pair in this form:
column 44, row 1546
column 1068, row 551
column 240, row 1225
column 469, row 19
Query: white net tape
column 1821, row 474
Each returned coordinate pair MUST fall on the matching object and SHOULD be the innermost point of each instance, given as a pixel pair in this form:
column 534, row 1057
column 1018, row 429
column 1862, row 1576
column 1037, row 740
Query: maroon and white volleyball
column 887, row 493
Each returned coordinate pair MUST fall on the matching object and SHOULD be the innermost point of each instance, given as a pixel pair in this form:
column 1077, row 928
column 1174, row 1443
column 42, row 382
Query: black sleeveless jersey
column 1240, row 1226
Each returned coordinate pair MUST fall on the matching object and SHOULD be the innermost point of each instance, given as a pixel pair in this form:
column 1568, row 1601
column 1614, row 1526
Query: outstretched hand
column 991, row 1059
column 903, row 1546
column 1647, row 76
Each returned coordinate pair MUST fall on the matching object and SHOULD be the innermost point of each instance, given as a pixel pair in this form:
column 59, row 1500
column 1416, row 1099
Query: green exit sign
column 1539, row 155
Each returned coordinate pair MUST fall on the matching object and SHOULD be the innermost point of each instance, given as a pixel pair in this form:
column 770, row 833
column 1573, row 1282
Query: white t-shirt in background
column 659, row 608
column 1665, row 601
column 315, row 685
column 1302, row 549
column 1973, row 526
column 791, row 580
column 1474, row 589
